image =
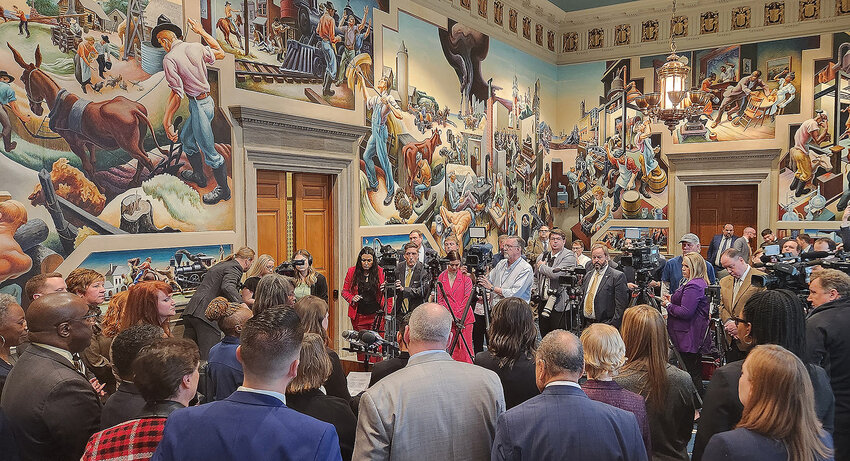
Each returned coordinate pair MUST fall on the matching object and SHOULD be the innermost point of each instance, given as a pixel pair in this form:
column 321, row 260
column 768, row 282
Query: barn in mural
column 103, row 138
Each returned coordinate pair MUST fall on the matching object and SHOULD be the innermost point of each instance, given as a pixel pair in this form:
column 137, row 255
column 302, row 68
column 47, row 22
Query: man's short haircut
column 559, row 232
column 430, row 325
column 731, row 253
column 503, row 237
column 561, row 352
column 127, row 344
column 579, row 243
column 805, row 237
column 599, row 245
column 519, row 240
column 416, row 231
column 766, row 232
column 410, row 245
column 79, row 280
column 160, row 367
column 271, row 340
column 35, row 284
column 829, row 242
column 832, row 279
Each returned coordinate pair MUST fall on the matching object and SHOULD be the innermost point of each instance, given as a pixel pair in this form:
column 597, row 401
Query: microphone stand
column 459, row 323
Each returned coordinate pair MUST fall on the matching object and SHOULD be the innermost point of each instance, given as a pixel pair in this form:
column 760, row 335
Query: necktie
column 723, row 247
column 78, row 364
column 735, row 288
column 591, row 293
column 406, row 303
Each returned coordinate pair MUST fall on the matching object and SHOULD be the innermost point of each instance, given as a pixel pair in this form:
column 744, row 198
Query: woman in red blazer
column 362, row 290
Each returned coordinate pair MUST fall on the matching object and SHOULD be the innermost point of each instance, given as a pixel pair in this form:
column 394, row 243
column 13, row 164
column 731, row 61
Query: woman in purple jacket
column 687, row 316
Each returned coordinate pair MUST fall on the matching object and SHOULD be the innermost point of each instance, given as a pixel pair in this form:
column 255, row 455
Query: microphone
column 371, row 337
column 816, row 255
column 351, row 335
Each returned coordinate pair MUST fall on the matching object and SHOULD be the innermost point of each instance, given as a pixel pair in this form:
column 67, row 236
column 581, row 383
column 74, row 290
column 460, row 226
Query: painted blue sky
column 159, row 256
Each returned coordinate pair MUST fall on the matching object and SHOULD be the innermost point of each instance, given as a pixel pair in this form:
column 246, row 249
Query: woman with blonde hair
column 687, row 316
column 273, row 290
column 779, row 420
column 313, row 312
column 308, row 281
column 604, row 355
column 304, row 394
column 263, row 265
column 671, row 399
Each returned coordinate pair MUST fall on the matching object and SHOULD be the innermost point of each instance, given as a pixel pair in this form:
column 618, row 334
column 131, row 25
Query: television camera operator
column 512, row 276
column 735, row 289
column 606, row 295
column 550, row 266
column 413, row 283
column 828, row 345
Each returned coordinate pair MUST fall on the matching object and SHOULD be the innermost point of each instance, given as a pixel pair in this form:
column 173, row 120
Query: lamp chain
column 672, row 34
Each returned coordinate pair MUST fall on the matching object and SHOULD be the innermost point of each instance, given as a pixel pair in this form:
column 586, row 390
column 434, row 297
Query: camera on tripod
column 477, row 258
column 288, row 268
column 569, row 282
column 388, row 261
column 643, row 257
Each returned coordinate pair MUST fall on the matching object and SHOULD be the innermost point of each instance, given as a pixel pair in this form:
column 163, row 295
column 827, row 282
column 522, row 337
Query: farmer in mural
column 422, row 181
column 185, row 66
column 382, row 105
column 7, row 99
column 23, row 25
column 84, row 63
column 326, row 30
column 103, row 62
column 351, row 33
column 812, row 130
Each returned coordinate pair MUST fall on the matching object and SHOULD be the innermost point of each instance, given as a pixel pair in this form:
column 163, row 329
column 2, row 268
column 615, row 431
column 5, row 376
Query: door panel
column 271, row 214
column 714, row 206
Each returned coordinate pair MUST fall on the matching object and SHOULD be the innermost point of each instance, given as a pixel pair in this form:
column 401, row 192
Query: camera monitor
column 632, row 233
column 771, row 250
column 477, row 232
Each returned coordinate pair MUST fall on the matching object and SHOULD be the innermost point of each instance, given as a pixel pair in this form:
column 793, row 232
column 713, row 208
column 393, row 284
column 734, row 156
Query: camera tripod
column 458, row 322
column 645, row 294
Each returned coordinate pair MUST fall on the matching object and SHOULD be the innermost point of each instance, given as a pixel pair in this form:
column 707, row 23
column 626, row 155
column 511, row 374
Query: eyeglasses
column 738, row 320
column 454, row 264
column 86, row 318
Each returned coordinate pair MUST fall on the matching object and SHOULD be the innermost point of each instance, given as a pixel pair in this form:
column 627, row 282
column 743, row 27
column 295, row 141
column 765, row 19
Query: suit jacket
column 745, row 445
column 387, row 367
column 124, row 405
column 246, row 425
column 612, row 296
column 743, row 247
column 828, row 346
column 52, row 407
column 224, row 372
column 565, row 260
column 417, row 292
column 714, row 246
column 534, row 249
column 329, row 409
column 221, row 279
column 433, row 409
column 563, row 420
column 727, row 285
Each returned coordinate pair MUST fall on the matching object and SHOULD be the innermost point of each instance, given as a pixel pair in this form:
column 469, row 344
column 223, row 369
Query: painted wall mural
column 307, row 50
column 100, row 138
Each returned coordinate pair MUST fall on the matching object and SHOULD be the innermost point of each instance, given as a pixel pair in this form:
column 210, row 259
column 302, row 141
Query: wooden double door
column 295, row 211
column 712, row 207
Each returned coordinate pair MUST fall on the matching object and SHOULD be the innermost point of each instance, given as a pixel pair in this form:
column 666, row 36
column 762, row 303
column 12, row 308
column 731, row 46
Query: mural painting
column 298, row 49
column 814, row 176
column 379, row 241
column 103, row 138
column 615, row 237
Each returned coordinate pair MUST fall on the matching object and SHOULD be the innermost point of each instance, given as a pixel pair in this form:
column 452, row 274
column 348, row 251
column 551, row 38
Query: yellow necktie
column 591, row 293
column 406, row 303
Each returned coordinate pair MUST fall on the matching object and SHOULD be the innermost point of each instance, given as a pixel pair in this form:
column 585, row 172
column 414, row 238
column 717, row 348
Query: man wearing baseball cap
column 671, row 276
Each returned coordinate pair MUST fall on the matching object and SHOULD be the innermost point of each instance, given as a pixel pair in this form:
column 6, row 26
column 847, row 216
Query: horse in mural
column 113, row 124
column 427, row 147
column 227, row 30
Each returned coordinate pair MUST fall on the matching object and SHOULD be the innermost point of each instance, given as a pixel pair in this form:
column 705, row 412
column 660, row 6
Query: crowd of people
column 487, row 366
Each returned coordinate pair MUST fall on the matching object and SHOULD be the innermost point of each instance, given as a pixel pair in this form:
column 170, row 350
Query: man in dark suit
column 50, row 403
column 719, row 244
column 221, row 279
column 606, row 294
column 539, row 429
column 254, row 422
column 426, row 254
column 412, row 285
column 126, row 403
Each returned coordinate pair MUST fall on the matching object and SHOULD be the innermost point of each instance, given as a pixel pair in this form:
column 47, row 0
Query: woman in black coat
column 305, row 396
column 510, row 350
column 769, row 317
column 309, row 282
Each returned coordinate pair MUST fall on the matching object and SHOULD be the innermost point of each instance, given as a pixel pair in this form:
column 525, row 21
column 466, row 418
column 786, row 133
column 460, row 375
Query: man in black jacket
column 828, row 345
column 413, row 283
column 220, row 280
column 606, row 294
column 48, row 399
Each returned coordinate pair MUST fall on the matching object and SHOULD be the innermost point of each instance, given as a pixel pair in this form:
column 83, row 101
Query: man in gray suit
column 549, row 266
column 743, row 243
column 49, row 401
column 434, row 408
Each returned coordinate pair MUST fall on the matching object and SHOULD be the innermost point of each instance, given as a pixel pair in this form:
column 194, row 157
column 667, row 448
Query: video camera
column 791, row 272
column 477, row 258
column 571, row 277
column 643, row 256
column 388, row 261
column 288, row 268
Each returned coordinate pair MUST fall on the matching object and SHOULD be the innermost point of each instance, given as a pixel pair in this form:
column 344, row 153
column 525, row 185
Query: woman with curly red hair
column 149, row 302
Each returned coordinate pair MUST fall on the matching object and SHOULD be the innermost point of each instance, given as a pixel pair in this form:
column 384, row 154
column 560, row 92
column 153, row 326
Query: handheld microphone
column 371, row 337
column 351, row 335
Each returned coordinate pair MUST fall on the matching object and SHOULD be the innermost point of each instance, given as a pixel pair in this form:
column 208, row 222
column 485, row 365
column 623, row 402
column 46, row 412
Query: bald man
column 743, row 243
column 400, row 418
column 48, row 399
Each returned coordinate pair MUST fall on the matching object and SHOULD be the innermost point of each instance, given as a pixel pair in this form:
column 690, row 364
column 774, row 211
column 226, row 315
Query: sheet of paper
column 358, row 381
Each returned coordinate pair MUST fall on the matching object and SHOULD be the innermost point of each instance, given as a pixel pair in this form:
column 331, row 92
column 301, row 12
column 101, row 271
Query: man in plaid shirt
column 166, row 373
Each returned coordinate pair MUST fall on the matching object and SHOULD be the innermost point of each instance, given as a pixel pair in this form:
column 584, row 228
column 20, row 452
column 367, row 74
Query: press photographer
column 551, row 304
